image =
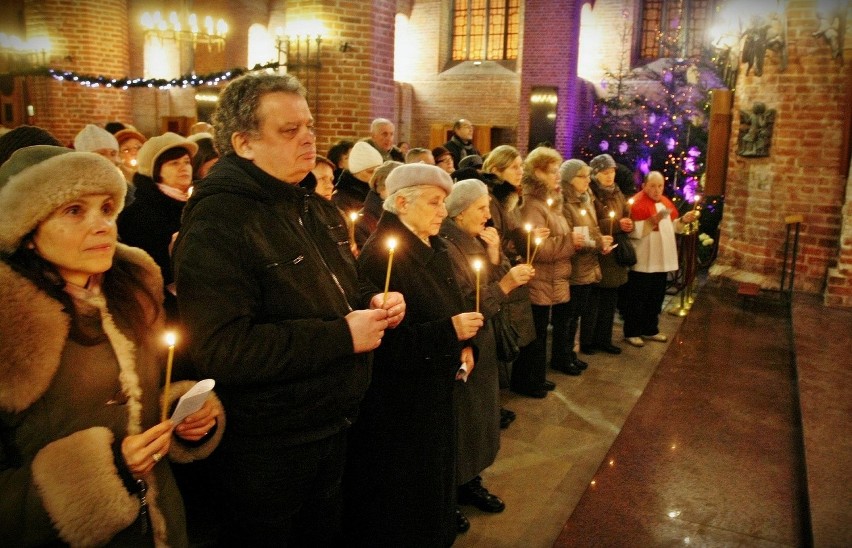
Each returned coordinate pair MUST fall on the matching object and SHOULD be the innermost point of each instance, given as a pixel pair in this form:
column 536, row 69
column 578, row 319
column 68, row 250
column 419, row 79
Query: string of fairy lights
column 185, row 81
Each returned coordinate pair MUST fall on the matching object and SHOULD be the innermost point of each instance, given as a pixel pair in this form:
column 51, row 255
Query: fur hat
column 92, row 138
column 156, row 146
column 36, row 180
column 417, row 174
column 568, row 170
column 601, row 162
column 464, row 193
column 363, row 156
column 24, row 136
column 128, row 133
column 472, row 161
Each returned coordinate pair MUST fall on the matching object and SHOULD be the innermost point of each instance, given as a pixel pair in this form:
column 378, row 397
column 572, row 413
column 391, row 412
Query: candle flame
column 538, row 241
column 630, row 201
column 582, row 212
column 171, row 338
column 353, row 216
column 391, row 243
column 611, row 214
column 477, row 265
column 549, row 202
column 528, row 227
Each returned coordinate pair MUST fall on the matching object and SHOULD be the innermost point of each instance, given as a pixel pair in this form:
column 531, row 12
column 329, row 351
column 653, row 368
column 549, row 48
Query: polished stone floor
column 693, row 442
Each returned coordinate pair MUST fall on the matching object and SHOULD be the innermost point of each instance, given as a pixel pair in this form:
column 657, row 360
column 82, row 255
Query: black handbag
column 624, row 254
column 505, row 336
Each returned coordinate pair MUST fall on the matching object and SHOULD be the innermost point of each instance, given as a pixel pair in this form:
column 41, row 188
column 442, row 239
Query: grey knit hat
column 37, row 180
column 464, row 193
column 601, row 162
column 416, row 175
column 568, row 170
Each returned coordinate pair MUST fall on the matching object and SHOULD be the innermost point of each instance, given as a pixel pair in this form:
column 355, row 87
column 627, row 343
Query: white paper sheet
column 192, row 401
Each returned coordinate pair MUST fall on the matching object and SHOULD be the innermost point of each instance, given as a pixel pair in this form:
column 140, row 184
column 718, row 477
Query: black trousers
column 529, row 370
column 601, row 315
column 281, row 495
column 645, row 294
column 582, row 315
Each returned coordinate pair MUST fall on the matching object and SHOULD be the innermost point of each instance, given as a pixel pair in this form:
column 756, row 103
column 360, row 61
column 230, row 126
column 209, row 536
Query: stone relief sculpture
column 764, row 34
column 756, row 131
column 832, row 27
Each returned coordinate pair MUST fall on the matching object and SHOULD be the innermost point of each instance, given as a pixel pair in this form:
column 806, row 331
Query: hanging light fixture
column 212, row 33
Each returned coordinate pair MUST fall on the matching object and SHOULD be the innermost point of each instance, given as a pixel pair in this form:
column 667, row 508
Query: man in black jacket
column 268, row 294
column 461, row 143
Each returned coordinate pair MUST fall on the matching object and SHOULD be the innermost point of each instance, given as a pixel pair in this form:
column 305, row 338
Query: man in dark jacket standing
column 461, row 143
column 268, row 294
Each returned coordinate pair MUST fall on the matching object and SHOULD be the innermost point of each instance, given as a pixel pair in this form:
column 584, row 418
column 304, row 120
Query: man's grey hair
column 378, row 123
column 237, row 111
column 409, row 194
column 417, row 154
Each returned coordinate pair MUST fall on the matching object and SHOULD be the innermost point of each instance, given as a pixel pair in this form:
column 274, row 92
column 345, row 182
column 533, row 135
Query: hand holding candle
column 528, row 227
column 170, row 340
column 477, row 266
column 391, row 247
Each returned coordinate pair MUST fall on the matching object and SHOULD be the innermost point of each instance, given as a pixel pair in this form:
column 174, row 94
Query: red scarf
column 644, row 207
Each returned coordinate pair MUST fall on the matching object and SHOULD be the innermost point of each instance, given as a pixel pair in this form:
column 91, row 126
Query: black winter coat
column 399, row 484
column 265, row 277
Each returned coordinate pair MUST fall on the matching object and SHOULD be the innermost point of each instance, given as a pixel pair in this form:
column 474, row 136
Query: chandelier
column 212, row 34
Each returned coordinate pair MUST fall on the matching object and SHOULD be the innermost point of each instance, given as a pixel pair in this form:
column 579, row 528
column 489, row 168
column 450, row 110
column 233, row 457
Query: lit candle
column 549, row 202
column 391, row 247
column 611, row 221
column 477, row 266
column 583, row 212
column 353, row 216
column 170, row 340
column 537, row 243
column 528, row 228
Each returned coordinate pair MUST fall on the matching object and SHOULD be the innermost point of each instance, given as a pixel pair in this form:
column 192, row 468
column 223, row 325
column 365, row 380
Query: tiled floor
column 711, row 454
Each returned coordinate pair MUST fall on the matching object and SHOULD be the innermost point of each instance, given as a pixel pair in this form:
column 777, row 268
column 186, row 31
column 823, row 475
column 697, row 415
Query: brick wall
column 550, row 59
column 802, row 175
column 89, row 37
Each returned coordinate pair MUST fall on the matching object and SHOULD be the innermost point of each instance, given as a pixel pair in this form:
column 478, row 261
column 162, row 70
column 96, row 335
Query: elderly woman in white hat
column 162, row 181
column 478, row 401
column 400, row 480
column 81, row 362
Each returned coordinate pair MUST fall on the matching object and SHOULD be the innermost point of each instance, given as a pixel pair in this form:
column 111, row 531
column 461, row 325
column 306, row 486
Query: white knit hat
column 417, row 174
column 92, row 138
column 363, row 156
column 36, row 180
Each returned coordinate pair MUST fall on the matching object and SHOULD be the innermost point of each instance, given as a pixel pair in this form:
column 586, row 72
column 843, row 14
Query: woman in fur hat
column 81, row 366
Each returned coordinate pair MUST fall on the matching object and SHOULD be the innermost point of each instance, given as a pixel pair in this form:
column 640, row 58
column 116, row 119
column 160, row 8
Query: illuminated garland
column 188, row 80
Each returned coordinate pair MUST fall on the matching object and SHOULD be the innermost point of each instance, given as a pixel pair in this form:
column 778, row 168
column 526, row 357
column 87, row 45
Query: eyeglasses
column 134, row 148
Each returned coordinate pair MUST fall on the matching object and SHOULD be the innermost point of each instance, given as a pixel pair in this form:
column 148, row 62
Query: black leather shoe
column 580, row 364
column 462, row 523
column 549, row 385
column 609, row 348
column 473, row 493
column 568, row 369
column 531, row 393
column 587, row 349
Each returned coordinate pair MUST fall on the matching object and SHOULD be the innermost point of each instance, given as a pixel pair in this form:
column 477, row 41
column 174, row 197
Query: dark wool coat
column 478, row 400
column 349, row 193
column 65, row 406
column 369, row 218
column 459, row 149
column 149, row 223
column 265, row 279
column 612, row 273
column 400, row 483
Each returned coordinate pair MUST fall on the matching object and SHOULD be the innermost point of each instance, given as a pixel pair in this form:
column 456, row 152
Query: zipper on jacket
column 325, row 264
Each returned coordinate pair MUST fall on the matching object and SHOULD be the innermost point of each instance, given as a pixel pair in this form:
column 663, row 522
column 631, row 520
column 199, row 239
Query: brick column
column 88, row 37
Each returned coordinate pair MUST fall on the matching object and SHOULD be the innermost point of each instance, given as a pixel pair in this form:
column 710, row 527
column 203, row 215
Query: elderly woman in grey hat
column 81, row 362
column 478, row 401
column 579, row 209
column 400, row 485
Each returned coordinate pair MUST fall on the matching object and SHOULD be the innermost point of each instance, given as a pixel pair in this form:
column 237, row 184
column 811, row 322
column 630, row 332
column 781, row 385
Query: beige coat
column 585, row 266
column 553, row 261
column 63, row 406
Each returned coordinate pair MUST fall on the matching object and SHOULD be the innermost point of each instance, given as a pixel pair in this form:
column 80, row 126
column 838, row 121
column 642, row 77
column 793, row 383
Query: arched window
column 673, row 28
column 485, row 30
